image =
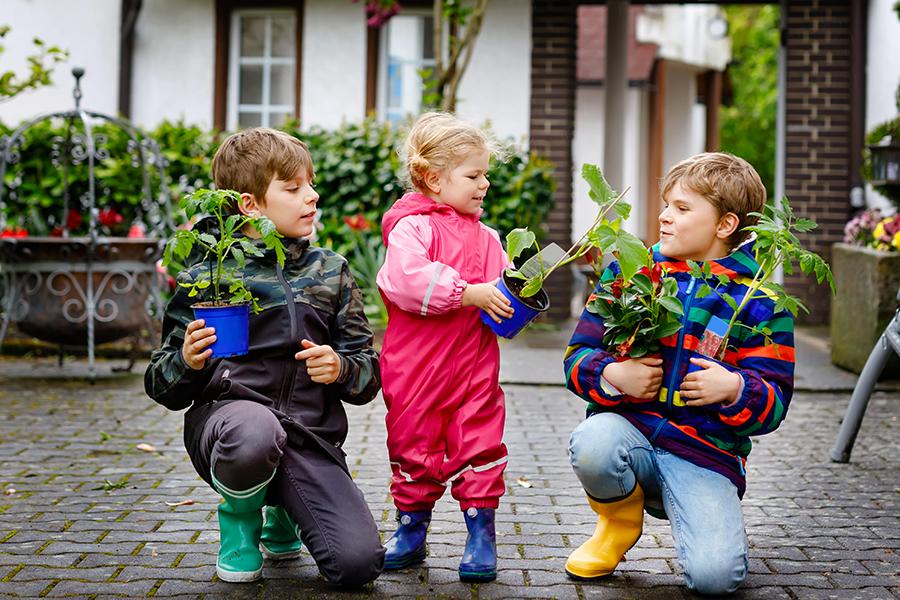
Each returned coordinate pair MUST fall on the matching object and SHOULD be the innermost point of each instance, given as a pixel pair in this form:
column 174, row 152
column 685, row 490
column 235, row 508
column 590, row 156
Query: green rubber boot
column 280, row 535
column 240, row 527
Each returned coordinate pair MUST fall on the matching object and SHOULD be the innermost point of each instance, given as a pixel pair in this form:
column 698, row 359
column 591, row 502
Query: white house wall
column 174, row 63
column 88, row 29
column 333, row 88
column 883, row 71
column 685, row 124
column 496, row 87
column 587, row 147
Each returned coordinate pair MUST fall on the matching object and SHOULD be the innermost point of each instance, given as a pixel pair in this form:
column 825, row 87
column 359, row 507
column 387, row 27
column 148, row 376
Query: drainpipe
column 616, row 88
column 130, row 11
column 857, row 101
column 780, row 137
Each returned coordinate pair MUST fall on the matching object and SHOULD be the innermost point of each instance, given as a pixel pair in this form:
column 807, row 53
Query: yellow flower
column 896, row 241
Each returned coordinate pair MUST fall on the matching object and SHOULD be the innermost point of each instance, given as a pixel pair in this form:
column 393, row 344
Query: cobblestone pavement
column 87, row 514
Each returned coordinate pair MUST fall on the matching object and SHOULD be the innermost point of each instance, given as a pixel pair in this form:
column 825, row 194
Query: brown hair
column 438, row 141
column 248, row 160
column 726, row 181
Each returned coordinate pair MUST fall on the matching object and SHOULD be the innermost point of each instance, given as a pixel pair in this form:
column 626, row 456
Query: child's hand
column 713, row 384
column 488, row 297
column 637, row 377
column 322, row 363
column 195, row 348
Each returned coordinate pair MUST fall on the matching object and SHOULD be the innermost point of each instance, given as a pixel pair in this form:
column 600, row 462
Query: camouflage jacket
column 315, row 297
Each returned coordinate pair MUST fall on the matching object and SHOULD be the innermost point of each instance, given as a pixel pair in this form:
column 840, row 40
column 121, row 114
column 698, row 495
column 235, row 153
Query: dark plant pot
column 867, row 281
column 53, row 287
column 232, row 325
column 525, row 311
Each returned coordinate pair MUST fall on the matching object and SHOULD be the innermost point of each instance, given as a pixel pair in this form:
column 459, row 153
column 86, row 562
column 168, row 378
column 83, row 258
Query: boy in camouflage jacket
column 266, row 428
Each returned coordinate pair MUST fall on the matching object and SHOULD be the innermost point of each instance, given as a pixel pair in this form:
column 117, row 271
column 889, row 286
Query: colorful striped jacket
column 713, row 436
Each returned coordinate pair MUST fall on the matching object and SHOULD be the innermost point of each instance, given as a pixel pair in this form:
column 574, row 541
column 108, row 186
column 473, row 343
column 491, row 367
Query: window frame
column 224, row 83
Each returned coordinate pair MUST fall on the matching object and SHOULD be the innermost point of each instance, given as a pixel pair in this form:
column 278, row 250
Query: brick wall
column 818, row 148
column 554, row 31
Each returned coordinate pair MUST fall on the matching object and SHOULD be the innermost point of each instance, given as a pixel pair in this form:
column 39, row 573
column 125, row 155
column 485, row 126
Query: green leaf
column 672, row 304
column 600, row 190
column 238, row 256
column 518, row 240
column 632, row 254
column 730, row 302
column 531, row 287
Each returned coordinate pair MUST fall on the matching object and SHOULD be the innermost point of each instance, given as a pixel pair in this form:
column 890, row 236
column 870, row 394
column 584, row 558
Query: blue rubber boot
column 479, row 561
column 407, row 546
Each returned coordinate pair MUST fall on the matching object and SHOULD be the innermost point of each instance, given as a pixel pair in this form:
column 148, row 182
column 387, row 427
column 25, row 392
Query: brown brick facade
column 554, row 27
column 817, row 140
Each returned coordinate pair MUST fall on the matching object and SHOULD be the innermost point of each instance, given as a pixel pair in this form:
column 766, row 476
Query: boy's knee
column 250, row 447
column 355, row 565
column 715, row 575
column 593, row 442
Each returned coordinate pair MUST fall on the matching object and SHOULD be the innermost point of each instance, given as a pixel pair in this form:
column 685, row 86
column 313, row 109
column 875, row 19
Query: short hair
column 727, row 181
column 248, row 160
column 438, row 141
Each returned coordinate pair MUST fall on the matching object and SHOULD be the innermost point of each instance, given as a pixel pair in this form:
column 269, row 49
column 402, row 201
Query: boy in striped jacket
column 674, row 442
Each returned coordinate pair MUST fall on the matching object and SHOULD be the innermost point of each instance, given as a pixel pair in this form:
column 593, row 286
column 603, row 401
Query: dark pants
column 242, row 442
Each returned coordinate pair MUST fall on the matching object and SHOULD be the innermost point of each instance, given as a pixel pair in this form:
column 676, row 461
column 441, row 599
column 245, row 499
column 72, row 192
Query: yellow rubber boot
column 619, row 526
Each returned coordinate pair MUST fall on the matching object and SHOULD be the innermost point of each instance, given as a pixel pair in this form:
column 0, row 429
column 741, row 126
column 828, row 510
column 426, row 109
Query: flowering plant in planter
column 872, row 230
column 777, row 247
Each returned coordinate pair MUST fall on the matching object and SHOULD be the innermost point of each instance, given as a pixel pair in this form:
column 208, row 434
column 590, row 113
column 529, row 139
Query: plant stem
column 567, row 258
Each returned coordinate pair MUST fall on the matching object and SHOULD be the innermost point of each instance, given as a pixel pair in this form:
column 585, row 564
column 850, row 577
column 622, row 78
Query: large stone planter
column 867, row 281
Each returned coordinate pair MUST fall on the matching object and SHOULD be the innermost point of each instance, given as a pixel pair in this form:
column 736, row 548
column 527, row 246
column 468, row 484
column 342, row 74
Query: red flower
column 108, row 217
column 654, row 274
column 73, row 219
column 357, row 223
column 57, row 231
column 14, row 233
column 624, row 348
column 616, row 288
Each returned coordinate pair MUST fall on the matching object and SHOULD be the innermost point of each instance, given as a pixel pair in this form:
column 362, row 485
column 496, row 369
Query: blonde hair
column 248, row 160
column 439, row 141
column 726, row 181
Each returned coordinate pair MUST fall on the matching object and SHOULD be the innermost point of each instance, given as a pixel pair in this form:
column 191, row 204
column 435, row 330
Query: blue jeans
column 609, row 455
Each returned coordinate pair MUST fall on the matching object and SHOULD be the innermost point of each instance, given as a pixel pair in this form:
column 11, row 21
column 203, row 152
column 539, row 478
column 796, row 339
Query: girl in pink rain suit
column 439, row 362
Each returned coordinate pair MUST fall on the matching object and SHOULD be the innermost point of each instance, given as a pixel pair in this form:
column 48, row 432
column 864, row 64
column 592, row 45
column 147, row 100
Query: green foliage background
column 748, row 124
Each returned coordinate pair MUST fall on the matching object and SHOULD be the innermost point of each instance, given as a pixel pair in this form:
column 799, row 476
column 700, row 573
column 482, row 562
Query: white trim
column 480, row 469
column 223, row 489
column 434, row 280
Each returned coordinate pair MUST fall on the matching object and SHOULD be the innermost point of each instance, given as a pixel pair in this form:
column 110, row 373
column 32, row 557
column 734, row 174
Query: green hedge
column 357, row 172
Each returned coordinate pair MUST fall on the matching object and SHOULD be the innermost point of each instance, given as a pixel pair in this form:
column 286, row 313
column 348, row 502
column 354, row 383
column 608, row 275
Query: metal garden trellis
column 78, row 291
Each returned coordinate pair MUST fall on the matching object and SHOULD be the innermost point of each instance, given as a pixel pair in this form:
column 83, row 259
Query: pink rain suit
column 439, row 362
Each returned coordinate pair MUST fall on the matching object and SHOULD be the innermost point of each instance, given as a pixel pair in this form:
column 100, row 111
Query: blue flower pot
column 523, row 313
column 232, row 324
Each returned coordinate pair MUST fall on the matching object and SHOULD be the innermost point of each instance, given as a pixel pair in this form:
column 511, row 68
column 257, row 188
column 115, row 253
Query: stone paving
column 86, row 514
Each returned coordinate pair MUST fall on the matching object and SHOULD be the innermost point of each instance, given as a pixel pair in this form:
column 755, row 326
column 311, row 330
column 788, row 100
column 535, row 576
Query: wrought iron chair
column 881, row 352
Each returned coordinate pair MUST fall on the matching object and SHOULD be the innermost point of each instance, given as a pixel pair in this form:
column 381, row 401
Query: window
column 262, row 68
column 407, row 49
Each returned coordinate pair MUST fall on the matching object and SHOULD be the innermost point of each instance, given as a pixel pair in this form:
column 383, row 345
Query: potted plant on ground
column 523, row 282
column 220, row 244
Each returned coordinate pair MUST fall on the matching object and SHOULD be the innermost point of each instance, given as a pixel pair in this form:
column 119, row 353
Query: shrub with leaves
column 221, row 284
column 777, row 247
